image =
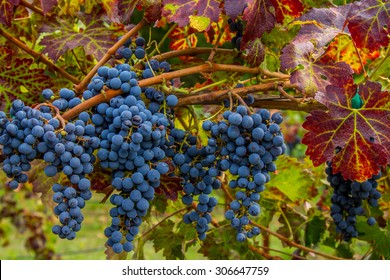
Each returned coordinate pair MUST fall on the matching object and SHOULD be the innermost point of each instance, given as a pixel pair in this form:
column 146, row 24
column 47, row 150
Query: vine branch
column 80, row 86
column 39, row 56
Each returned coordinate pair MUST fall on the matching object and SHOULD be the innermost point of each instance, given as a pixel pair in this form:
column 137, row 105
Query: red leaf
column 287, row 9
column 180, row 10
column 360, row 136
column 369, row 23
column 259, row 18
column 7, row 11
column 255, row 52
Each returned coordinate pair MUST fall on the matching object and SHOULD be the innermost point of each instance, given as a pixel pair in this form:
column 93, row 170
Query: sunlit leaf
column 356, row 141
column 180, row 10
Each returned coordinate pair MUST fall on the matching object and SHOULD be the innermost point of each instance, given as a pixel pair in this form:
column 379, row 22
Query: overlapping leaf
column 182, row 12
column 126, row 8
column 6, row 11
column 369, row 23
column 356, row 141
column 47, row 5
column 255, row 52
column 287, row 9
column 234, row 8
column 259, row 18
column 18, row 80
column 183, row 38
column 343, row 49
column 312, row 75
column 64, row 35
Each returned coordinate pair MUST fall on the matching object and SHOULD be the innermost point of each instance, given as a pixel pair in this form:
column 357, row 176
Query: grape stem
column 285, row 94
column 281, row 237
column 80, row 87
column 40, row 57
column 207, row 67
column 56, row 110
column 34, row 8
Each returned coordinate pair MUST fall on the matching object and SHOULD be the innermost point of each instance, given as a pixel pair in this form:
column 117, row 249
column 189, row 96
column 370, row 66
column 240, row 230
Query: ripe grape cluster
column 237, row 27
column 133, row 137
column 197, row 167
column 347, row 201
column 37, row 133
column 249, row 145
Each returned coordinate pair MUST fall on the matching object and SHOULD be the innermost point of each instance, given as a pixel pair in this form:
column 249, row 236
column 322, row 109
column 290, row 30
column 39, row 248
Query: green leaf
column 315, row 230
column 379, row 238
column 172, row 241
column 293, row 179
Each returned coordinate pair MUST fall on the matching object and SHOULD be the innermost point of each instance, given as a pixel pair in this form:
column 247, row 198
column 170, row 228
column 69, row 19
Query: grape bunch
column 347, row 201
column 133, row 137
column 236, row 26
column 197, row 167
column 249, row 145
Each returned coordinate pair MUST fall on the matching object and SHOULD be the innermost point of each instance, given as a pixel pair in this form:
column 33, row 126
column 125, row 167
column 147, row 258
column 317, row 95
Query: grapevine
column 208, row 134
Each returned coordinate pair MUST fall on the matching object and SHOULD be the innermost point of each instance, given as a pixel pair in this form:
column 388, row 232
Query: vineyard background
column 55, row 44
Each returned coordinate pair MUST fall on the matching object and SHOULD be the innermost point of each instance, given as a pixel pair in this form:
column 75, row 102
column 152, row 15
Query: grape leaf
column 48, row 5
column 18, row 80
column 166, row 238
column 213, row 33
column 315, row 230
column 183, row 38
column 6, row 11
column 95, row 38
column 170, row 187
column 234, row 8
column 255, row 52
column 259, row 18
column 361, row 135
column 368, row 23
column 313, row 75
column 379, row 238
column 286, row 10
column 343, row 49
column 294, row 180
column 180, row 11
column 126, row 8
column 321, row 26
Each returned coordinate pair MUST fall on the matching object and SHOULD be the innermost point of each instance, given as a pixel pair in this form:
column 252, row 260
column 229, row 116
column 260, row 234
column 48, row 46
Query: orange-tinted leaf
column 180, row 10
column 287, row 9
column 343, row 49
column 183, row 38
column 356, row 141
column 213, row 33
column 369, row 23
